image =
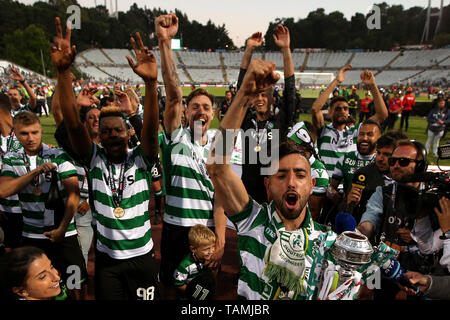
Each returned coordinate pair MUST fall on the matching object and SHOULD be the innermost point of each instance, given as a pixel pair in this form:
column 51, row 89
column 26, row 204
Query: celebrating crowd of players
column 97, row 185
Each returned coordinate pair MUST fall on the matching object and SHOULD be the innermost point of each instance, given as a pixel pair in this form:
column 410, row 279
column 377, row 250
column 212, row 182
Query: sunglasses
column 403, row 162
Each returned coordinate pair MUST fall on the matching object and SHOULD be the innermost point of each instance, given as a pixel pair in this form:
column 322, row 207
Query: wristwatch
column 445, row 235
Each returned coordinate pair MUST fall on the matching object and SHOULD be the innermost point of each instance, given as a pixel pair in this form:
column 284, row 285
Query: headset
column 421, row 165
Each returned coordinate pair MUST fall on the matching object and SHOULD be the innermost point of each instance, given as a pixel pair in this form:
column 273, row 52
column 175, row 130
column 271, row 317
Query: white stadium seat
column 206, row 67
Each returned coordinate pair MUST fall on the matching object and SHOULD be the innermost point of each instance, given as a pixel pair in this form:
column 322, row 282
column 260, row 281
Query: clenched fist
column 166, row 26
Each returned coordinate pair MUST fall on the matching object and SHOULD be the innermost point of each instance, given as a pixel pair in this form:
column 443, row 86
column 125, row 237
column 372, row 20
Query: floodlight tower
column 441, row 11
column 425, row 36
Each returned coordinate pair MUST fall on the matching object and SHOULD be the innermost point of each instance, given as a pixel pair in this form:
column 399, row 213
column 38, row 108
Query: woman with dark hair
column 27, row 274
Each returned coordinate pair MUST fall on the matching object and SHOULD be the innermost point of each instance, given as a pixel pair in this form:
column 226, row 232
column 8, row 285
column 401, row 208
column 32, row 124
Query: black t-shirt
column 224, row 106
column 251, row 172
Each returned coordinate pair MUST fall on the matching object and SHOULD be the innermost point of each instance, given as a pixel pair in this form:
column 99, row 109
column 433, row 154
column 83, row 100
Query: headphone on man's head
column 421, row 165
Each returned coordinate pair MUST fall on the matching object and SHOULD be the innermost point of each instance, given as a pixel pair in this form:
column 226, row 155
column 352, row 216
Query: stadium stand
column 411, row 66
column 29, row 74
column 420, row 58
column 206, row 75
column 317, row 60
column 372, row 59
column 337, row 60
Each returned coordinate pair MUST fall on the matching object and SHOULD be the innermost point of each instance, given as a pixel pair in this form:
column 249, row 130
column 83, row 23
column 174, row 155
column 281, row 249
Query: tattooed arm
column 166, row 27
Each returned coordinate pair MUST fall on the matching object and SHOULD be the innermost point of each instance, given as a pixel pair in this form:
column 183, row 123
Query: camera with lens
column 437, row 186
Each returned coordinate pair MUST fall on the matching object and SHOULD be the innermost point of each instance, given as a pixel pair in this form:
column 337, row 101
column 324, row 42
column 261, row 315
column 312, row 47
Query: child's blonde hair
column 201, row 235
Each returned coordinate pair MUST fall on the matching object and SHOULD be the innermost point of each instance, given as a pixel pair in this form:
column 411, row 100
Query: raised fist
column 260, row 75
column 368, row 78
column 166, row 26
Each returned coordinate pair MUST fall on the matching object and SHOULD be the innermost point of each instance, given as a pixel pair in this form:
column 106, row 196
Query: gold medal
column 37, row 191
column 119, row 212
column 257, row 148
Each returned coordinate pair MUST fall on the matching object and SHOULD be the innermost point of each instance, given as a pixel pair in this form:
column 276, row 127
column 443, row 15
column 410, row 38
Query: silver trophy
column 351, row 250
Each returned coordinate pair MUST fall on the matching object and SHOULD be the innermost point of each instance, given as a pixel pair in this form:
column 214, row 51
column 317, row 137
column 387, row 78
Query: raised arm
column 228, row 187
column 15, row 75
column 283, row 41
column 63, row 56
column 381, row 111
column 316, row 109
column 56, row 107
column 286, row 114
column 166, row 27
column 147, row 69
column 252, row 43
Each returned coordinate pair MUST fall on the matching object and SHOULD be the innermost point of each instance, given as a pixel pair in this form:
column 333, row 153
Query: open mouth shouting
column 291, row 200
column 200, row 124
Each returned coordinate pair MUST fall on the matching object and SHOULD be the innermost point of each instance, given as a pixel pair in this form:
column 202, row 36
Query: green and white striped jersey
column 187, row 270
column 257, row 227
column 189, row 189
column 333, row 144
column 36, row 218
column 130, row 235
column 319, row 172
column 300, row 135
column 348, row 164
column 10, row 144
column 23, row 107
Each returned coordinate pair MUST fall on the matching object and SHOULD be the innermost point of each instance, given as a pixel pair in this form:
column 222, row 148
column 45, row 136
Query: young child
column 193, row 278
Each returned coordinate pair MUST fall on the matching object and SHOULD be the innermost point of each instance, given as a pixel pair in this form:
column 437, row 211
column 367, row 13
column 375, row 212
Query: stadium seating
column 232, row 59
column 420, row 58
column 206, row 75
column 317, row 60
column 206, row 67
column 94, row 56
column 372, row 60
column 338, row 60
column 386, row 78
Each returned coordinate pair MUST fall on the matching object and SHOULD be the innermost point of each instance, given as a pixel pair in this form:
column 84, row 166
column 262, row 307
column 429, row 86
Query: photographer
column 391, row 211
column 430, row 242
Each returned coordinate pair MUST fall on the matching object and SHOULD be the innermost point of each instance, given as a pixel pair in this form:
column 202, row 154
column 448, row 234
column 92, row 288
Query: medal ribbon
column 39, row 159
column 264, row 130
column 117, row 193
column 10, row 141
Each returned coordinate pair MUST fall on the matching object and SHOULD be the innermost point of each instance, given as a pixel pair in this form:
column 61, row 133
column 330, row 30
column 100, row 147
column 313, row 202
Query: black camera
column 437, row 185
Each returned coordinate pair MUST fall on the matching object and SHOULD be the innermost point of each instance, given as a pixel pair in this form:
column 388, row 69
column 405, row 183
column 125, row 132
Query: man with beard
column 375, row 174
column 304, row 135
column 190, row 197
column 366, row 143
column 336, row 138
column 392, row 211
column 282, row 250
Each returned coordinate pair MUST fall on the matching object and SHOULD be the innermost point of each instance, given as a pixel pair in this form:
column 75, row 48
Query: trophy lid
column 352, row 247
